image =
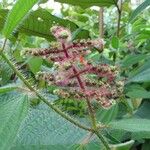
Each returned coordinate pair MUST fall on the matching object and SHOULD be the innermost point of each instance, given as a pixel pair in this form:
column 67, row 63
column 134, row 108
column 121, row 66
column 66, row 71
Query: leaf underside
column 13, row 109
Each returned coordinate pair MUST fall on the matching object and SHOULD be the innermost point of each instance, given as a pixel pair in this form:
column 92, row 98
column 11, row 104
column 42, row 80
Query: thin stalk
column 101, row 22
column 118, row 23
column 119, row 9
column 57, row 110
column 92, row 115
column 95, row 128
column 103, row 140
column 1, row 50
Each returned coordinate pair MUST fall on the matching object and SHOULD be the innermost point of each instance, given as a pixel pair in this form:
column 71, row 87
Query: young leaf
column 35, row 64
column 115, row 42
column 13, row 109
column 17, row 14
column 139, row 9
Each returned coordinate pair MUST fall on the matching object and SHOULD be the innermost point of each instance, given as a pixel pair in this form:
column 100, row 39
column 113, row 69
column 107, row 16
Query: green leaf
column 5, row 72
column 143, row 111
column 138, row 94
column 123, row 146
column 44, row 128
column 43, row 147
column 136, row 91
column 35, row 64
column 77, row 32
column 143, row 76
column 88, row 146
column 3, row 14
column 105, row 116
column 139, row 9
column 13, row 109
column 40, row 21
column 130, row 60
column 146, row 145
column 139, row 127
column 143, row 67
column 115, row 42
column 8, row 88
column 88, row 3
column 17, row 14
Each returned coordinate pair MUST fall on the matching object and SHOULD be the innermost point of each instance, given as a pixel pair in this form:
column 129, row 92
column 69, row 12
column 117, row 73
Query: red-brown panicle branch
column 75, row 76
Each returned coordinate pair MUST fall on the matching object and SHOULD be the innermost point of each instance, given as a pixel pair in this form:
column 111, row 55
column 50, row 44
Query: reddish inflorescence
column 75, row 76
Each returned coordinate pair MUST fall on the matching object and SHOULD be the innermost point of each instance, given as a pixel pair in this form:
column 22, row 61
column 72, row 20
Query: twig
column 92, row 115
column 4, row 44
column 119, row 8
column 101, row 22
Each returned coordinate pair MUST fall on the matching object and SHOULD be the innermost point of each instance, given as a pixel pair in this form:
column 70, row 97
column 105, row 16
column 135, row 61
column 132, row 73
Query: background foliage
column 27, row 123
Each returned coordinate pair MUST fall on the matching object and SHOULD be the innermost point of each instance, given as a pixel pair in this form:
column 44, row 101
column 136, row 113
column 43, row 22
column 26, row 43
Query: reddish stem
column 81, row 84
column 78, row 78
column 79, row 73
column 65, row 50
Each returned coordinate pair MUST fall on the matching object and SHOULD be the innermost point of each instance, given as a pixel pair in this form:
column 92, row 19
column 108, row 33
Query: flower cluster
column 75, row 76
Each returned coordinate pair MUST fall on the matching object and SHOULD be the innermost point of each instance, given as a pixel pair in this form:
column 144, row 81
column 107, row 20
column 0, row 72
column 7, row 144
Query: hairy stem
column 95, row 128
column 103, row 140
column 57, row 110
column 92, row 115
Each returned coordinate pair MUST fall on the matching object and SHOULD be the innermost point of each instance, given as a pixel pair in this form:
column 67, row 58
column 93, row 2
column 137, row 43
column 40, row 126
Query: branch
column 119, row 8
column 101, row 22
column 92, row 115
column 1, row 50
